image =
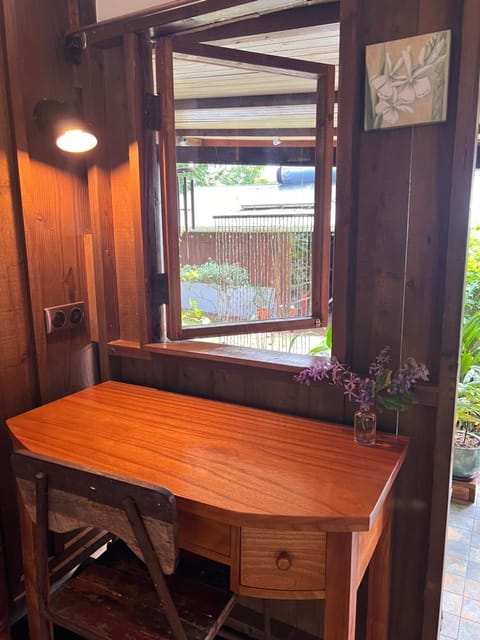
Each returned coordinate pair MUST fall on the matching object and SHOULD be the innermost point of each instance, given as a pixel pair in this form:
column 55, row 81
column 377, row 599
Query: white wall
column 111, row 8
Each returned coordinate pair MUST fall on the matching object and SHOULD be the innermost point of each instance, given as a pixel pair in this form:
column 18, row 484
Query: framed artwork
column 406, row 81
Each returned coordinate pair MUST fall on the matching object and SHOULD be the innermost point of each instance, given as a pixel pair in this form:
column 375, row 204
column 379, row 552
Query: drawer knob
column 283, row 561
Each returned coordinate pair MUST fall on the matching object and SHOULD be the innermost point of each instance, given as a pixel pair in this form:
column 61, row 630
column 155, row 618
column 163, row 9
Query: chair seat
column 105, row 596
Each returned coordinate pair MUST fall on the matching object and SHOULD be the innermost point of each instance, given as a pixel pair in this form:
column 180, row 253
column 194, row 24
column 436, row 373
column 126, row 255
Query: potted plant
column 263, row 301
column 466, row 451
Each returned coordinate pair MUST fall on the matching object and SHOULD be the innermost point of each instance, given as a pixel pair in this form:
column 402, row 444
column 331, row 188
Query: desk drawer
column 204, row 536
column 283, row 560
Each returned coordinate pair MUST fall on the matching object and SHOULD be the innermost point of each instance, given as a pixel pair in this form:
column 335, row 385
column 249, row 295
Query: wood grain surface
column 232, row 463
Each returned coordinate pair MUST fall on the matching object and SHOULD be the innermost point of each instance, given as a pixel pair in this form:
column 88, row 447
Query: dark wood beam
column 251, row 60
column 249, row 101
column 248, row 155
column 296, row 132
column 246, row 101
column 297, row 18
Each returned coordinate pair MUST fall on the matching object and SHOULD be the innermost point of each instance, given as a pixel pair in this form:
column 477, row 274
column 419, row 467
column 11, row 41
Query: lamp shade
column 61, row 121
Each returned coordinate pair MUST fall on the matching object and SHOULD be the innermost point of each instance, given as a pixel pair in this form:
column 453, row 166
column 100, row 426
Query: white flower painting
column 407, row 81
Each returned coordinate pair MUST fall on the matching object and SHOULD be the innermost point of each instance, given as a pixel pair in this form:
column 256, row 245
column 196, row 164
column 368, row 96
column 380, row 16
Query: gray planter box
column 466, row 461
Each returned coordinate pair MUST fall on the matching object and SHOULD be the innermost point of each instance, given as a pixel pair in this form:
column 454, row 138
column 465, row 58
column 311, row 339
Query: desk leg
column 379, row 586
column 341, row 587
column 38, row 627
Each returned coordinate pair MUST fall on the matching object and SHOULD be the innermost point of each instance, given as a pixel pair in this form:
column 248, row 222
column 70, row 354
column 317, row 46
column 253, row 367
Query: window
column 245, row 156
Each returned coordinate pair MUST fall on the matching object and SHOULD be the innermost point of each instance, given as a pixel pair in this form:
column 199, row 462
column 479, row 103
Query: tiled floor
column 461, row 587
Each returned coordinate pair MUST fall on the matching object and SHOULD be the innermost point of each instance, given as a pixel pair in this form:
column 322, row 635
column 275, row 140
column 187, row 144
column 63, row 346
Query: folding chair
column 134, row 590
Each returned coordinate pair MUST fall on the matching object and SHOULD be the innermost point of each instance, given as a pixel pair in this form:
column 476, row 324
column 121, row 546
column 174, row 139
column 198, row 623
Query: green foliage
column 399, row 402
column 470, row 354
column 324, row 347
column 193, row 315
column 468, row 387
column 468, row 398
column 208, row 175
column 472, row 277
column 219, row 275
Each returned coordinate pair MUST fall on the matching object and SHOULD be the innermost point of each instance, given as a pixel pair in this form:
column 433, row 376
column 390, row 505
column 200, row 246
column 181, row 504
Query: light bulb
column 76, row 141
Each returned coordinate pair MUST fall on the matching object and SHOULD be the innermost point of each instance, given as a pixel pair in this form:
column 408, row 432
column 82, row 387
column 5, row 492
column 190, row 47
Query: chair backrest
column 77, row 496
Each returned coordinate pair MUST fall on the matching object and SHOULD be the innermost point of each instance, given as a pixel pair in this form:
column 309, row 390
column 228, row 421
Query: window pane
column 309, row 342
column 245, row 249
column 245, row 192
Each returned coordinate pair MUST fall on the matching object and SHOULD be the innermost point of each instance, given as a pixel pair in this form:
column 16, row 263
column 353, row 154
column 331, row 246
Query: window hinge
column 160, row 289
column 152, row 112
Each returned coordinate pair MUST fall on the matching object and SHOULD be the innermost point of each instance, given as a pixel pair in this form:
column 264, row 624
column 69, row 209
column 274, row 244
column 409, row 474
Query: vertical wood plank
column 123, row 228
column 100, row 201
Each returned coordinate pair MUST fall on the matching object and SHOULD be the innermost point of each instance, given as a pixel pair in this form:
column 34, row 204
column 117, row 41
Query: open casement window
column 245, row 148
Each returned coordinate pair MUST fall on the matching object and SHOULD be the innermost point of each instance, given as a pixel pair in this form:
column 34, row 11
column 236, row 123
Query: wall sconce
column 62, row 121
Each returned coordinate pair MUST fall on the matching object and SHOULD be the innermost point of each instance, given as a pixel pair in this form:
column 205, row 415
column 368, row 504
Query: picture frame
column 406, row 81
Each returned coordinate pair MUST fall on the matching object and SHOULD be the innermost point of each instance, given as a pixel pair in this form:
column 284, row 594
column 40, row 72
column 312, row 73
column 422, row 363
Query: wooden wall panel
column 53, row 190
column 272, row 390
column 18, row 384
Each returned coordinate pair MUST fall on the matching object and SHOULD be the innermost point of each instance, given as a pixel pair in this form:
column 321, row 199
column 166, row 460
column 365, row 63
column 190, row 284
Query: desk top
column 235, row 464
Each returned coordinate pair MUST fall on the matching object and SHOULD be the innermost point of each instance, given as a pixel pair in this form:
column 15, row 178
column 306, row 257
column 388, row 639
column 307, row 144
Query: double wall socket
column 64, row 316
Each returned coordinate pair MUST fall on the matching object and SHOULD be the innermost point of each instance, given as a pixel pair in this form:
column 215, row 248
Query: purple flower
column 377, row 367
column 382, row 388
column 337, row 372
column 350, row 385
column 318, row 371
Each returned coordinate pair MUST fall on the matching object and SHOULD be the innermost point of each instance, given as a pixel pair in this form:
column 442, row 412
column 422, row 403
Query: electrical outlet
column 64, row 316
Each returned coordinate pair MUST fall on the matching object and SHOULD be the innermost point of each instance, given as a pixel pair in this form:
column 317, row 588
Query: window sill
column 271, row 360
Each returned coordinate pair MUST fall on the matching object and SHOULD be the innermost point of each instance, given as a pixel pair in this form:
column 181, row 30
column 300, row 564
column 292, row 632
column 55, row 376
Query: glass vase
column 364, row 427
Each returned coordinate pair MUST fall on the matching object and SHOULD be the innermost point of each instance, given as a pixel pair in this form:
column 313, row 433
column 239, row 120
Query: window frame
column 324, row 76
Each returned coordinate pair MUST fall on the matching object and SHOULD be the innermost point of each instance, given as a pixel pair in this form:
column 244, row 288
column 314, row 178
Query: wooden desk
column 292, row 505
